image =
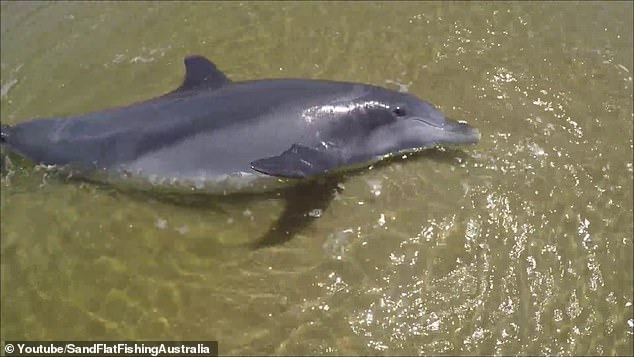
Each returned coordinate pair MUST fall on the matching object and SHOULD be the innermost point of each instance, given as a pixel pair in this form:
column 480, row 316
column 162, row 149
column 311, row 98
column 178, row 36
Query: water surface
column 519, row 245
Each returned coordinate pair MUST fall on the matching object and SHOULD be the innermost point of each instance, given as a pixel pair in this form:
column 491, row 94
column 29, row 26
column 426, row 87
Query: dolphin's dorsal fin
column 201, row 73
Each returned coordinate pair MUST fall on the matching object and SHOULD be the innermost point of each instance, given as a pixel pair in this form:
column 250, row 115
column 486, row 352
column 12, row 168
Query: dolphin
column 287, row 137
column 215, row 135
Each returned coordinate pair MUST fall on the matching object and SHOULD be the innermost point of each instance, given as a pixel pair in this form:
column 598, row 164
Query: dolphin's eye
column 399, row 111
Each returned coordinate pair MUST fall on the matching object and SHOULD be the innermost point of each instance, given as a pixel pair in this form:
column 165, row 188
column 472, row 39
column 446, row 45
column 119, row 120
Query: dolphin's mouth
column 466, row 133
column 427, row 122
column 456, row 126
column 452, row 131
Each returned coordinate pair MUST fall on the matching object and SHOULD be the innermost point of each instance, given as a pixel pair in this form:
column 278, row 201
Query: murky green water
column 520, row 245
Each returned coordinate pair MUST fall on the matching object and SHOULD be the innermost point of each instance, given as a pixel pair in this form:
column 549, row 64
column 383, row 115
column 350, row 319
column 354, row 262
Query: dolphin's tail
column 5, row 162
column 4, row 133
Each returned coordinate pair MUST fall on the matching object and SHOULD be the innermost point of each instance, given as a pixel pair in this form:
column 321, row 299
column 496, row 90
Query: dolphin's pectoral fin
column 297, row 162
column 201, row 73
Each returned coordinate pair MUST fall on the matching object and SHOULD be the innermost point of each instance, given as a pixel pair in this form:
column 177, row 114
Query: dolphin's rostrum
column 212, row 131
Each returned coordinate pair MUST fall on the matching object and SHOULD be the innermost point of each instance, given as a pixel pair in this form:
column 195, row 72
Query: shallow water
column 522, row 244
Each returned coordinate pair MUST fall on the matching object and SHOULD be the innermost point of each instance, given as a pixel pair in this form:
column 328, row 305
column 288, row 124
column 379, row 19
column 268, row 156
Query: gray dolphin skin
column 213, row 134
